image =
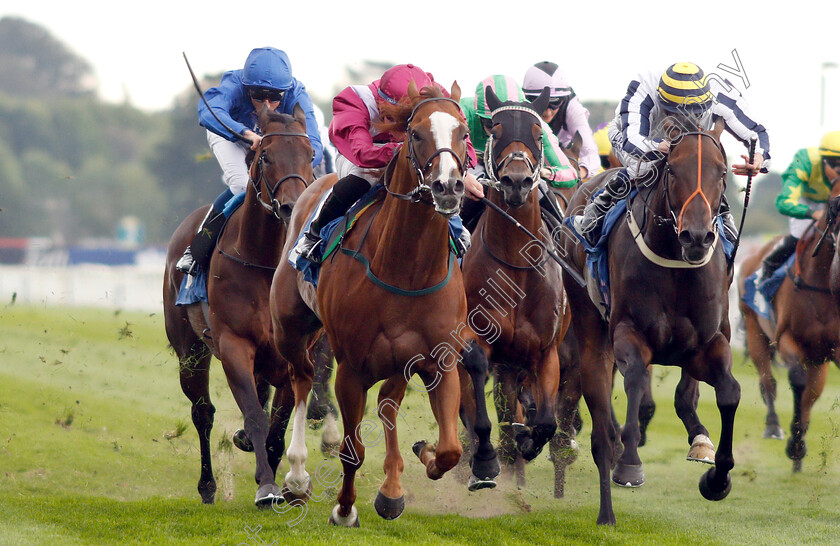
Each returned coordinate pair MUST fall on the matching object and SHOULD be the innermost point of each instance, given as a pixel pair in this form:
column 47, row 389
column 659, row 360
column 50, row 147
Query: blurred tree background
column 71, row 165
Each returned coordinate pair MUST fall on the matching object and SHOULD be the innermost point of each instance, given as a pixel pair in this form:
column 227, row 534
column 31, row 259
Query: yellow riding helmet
column 684, row 88
column 830, row 144
column 602, row 139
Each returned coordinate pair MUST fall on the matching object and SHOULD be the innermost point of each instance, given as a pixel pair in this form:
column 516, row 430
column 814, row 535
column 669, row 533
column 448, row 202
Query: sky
column 601, row 45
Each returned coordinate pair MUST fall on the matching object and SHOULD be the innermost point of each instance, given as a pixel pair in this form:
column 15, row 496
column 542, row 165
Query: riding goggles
column 261, row 94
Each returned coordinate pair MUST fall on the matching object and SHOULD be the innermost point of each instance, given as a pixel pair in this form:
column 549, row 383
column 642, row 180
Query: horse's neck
column 648, row 206
column 413, row 239
column 815, row 268
column 258, row 228
column 502, row 234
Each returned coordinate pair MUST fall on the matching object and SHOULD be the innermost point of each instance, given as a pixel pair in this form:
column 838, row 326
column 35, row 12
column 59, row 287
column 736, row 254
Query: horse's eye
column 415, row 135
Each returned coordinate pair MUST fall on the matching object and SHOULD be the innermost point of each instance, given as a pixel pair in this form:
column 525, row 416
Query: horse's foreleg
column 390, row 501
column 298, row 484
column 808, row 385
column 281, row 411
column 485, row 463
column 715, row 367
column 686, row 397
column 320, row 403
column 445, row 397
column 758, row 347
column 237, row 357
column 351, row 396
column 647, row 407
column 633, row 356
column 194, row 374
column 563, row 447
column 545, row 379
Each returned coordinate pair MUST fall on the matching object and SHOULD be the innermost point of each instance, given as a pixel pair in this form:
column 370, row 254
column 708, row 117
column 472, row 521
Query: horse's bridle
column 676, row 220
column 492, row 167
column 416, row 194
column 274, row 206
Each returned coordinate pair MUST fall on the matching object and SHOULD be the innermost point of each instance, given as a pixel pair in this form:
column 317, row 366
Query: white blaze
column 443, row 125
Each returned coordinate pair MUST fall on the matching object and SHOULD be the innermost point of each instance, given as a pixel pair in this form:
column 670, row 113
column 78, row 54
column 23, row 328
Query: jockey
column 363, row 151
column 565, row 114
column 683, row 92
column 557, row 169
column 804, row 186
column 266, row 79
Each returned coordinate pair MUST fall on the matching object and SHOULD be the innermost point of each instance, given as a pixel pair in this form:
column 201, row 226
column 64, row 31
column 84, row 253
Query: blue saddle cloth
column 194, row 288
column 332, row 236
column 760, row 298
column 597, row 257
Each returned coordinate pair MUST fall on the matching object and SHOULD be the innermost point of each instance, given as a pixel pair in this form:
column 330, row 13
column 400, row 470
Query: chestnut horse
column 807, row 332
column 237, row 328
column 392, row 303
column 668, row 292
column 510, row 280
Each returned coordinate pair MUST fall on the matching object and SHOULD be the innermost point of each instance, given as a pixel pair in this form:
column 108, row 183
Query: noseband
column 274, row 206
column 493, row 167
column 416, row 194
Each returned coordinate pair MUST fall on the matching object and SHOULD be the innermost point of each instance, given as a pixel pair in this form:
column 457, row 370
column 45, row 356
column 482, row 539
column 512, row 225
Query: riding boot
column 551, row 208
column 589, row 223
column 777, row 257
column 198, row 252
column 729, row 229
column 346, row 191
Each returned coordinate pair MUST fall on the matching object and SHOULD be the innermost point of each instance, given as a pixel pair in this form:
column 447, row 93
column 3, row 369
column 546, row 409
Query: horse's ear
column 717, row 130
column 412, row 90
column 671, row 129
column 830, row 172
column 455, row 92
column 263, row 116
column 541, row 102
column 577, row 142
column 299, row 114
column 490, row 97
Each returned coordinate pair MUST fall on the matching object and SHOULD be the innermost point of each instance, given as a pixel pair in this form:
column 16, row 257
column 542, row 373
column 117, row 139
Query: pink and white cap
column 393, row 85
column 542, row 75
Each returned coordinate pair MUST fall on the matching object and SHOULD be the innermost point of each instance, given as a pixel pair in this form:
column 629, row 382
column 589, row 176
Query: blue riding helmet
column 269, row 68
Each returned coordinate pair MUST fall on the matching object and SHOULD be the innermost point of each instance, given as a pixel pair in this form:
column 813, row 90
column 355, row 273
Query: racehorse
column 807, row 331
column 392, row 302
column 510, row 279
column 236, row 327
column 668, row 279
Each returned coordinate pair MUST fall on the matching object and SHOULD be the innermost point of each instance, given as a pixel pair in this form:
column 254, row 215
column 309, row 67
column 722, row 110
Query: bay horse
column 510, row 280
column 236, row 327
column 807, row 330
column 393, row 305
column 669, row 304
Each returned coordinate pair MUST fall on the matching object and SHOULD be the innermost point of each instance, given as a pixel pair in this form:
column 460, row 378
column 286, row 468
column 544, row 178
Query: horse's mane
column 394, row 117
column 274, row 115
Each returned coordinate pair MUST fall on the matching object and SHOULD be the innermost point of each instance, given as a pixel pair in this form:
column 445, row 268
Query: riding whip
column 746, row 199
column 577, row 277
column 201, row 94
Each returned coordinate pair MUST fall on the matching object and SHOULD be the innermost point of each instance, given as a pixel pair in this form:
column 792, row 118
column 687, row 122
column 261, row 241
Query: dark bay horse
column 668, row 288
column 807, row 330
column 510, row 280
column 393, row 305
column 236, row 327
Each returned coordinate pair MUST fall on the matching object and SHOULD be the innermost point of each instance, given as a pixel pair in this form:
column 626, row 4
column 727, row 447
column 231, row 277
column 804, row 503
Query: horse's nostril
column 708, row 239
column 459, row 186
column 684, row 238
column 437, row 186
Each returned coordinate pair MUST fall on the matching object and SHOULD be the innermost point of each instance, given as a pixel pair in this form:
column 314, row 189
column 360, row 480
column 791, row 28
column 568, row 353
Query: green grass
column 93, row 450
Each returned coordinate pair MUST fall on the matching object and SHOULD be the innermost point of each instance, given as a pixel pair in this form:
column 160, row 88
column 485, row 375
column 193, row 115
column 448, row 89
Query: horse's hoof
column 797, row 465
column 475, row 483
column 417, row 448
column 329, row 449
column 207, row 492
column 702, row 450
column 298, row 493
column 796, row 451
column 352, row 519
column 267, row 495
column 628, row 475
column 710, row 493
column 773, row 432
column 486, row 469
column 241, row 441
column 389, row 508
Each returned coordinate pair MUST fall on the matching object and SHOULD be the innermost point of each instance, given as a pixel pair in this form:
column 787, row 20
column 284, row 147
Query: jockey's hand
column 473, row 187
column 253, row 137
column 664, row 146
column 583, row 172
column 744, row 170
